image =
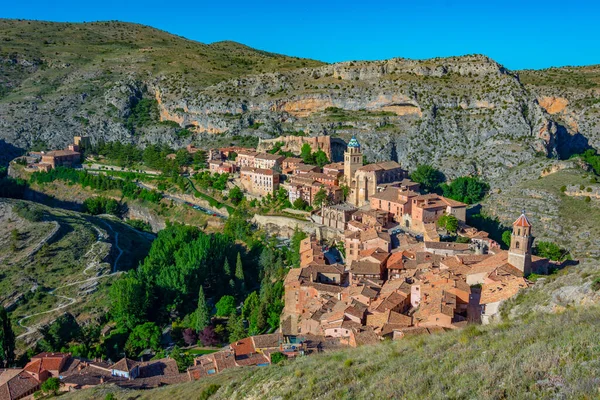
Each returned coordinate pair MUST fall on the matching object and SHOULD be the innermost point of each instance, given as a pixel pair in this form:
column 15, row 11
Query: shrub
column 28, row 212
column 348, row 363
column 596, row 284
column 277, row 357
column 209, row 391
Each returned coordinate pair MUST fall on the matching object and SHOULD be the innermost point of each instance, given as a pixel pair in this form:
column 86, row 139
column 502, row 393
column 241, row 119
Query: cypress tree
column 227, row 268
column 202, row 313
column 239, row 272
column 7, row 339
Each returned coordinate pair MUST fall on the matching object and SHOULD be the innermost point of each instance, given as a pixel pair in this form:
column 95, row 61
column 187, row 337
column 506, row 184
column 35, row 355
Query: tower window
column 517, row 245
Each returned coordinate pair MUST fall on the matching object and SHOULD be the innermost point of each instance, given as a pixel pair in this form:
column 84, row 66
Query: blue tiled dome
column 353, row 142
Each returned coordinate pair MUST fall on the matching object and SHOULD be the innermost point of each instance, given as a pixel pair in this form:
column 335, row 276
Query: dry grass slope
column 533, row 356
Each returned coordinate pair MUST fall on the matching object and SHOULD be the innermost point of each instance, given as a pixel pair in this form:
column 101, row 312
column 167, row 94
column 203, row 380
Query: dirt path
column 70, row 300
column 32, row 329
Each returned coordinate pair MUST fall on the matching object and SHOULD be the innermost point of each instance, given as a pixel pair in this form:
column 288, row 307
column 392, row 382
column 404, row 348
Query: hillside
column 63, row 79
column 54, row 261
column 541, row 350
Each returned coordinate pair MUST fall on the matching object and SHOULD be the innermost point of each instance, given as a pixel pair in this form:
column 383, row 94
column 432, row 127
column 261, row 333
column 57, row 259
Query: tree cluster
column 465, row 189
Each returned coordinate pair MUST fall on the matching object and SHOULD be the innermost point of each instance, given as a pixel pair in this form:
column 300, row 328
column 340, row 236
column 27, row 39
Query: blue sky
column 518, row 34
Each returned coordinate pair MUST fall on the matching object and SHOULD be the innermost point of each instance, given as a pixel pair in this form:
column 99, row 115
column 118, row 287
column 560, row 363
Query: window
column 517, row 244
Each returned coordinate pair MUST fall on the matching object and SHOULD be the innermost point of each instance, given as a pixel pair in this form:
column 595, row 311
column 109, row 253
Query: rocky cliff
column 465, row 115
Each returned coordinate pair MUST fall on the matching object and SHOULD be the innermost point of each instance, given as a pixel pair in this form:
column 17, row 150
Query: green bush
column 278, row 357
column 209, row 391
column 30, row 213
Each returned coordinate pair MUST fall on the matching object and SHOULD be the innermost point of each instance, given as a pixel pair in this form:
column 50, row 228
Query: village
column 384, row 270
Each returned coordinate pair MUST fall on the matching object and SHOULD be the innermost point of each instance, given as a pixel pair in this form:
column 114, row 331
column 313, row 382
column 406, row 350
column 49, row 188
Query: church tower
column 353, row 159
column 519, row 254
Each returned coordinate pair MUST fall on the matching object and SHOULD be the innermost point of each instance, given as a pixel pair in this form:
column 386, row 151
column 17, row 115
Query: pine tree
column 202, row 313
column 7, row 340
column 239, row 272
column 227, row 268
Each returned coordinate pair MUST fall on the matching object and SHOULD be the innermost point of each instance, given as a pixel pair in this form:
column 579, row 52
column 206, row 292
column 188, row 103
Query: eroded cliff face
column 465, row 115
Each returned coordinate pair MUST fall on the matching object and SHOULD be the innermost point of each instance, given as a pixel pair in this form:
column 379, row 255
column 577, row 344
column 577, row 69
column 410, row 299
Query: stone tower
column 519, row 254
column 353, row 159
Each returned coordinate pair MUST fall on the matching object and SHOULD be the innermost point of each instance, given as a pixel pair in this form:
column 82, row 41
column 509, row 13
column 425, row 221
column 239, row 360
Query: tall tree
column 306, row 154
column 202, row 312
column 429, row 177
column 227, row 268
column 7, row 340
column 321, row 198
column 129, row 301
column 239, row 272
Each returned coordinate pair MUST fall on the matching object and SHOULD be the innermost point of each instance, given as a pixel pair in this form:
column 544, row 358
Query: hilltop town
column 233, row 223
column 380, row 259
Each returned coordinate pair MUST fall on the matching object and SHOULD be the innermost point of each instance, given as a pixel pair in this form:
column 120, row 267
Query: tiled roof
column 501, row 285
column 522, row 221
column 16, row 383
column 353, row 143
column 268, row 156
column 124, row 364
column 243, row 347
column 447, row 246
column 61, row 153
column 396, row 261
column 365, row 268
column 47, row 361
column 271, row 340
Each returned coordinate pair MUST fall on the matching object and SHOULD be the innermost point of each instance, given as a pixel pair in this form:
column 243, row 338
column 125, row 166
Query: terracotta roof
column 243, row 347
column 365, row 268
column 501, row 284
column 353, row 311
column 392, row 301
column 447, row 246
column 61, row 153
column 16, row 383
column 268, row 156
column 396, row 261
column 365, row 336
column 124, row 364
column 490, row 263
column 47, row 361
column 377, row 253
column 522, row 221
column 271, row 340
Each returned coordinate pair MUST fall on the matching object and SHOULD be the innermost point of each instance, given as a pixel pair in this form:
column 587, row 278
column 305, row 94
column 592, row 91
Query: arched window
column 517, row 245
column 519, row 231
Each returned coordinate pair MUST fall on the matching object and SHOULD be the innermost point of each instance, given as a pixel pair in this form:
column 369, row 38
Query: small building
column 125, row 368
column 259, row 182
column 337, row 216
column 289, row 164
column 61, row 158
column 267, row 161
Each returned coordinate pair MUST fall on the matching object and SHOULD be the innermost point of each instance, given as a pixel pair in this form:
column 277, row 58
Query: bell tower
column 353, row 158
column 519, row 254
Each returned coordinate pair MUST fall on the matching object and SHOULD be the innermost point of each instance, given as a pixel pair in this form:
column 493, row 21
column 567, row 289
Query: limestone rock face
column 464, row 115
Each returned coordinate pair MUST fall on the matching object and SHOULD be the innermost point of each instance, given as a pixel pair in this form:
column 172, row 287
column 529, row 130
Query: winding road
column 71, row 300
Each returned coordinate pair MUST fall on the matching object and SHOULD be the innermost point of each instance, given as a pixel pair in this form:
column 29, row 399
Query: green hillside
column 54, row 261
column 40, row 56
